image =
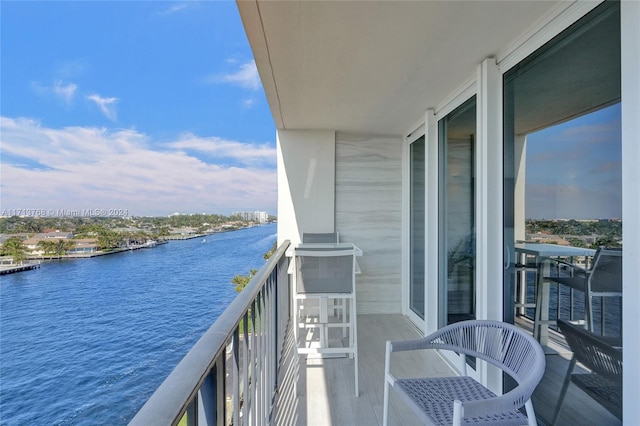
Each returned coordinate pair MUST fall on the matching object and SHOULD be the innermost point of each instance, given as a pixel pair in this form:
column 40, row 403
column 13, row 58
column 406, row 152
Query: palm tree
column 48, row 246
column 62, row 246
column 241, row 281
column 13, row 247
column 163, row 232
column 271, row 251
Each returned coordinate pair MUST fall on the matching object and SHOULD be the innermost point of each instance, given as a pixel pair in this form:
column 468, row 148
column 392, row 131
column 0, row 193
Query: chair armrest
column 486, row 407
column 572, row 266
column 408, row 345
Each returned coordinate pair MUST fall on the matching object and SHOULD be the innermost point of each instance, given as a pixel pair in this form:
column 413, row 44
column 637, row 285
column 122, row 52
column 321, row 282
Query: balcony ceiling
column 375, row 67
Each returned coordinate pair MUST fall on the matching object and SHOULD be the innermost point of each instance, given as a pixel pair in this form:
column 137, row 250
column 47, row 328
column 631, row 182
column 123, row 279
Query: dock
column 4, row 270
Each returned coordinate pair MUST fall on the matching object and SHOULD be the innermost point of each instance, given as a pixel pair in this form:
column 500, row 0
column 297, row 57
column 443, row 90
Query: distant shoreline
column 27, row 266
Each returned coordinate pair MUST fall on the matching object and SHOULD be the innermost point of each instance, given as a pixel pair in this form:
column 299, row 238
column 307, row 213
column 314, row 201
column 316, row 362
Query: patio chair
column 525, row 264
column 324, row 274
column 461, row 399
column 337, row 305
column 603, row 357
column 603, row 279
column 325, row 237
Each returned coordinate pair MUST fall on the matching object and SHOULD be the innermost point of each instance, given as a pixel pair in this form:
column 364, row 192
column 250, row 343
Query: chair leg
column 531, row 415
column 354, row 333
column 457, row 413
column 588, row 309
column 563, row 391
column 385, row 407
column 387, row 365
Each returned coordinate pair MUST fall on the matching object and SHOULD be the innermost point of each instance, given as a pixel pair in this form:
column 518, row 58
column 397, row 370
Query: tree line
column 154, row 225
column 104, row 230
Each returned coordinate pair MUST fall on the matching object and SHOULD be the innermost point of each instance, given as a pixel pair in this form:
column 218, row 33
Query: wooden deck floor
column 321, row 391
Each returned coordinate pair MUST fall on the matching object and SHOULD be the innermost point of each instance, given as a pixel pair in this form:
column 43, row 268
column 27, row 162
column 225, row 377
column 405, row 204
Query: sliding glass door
column 563, row 200
column 417, row 227
column 457, row 289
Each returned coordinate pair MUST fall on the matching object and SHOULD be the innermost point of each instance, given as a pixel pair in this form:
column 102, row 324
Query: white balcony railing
column 230, row 374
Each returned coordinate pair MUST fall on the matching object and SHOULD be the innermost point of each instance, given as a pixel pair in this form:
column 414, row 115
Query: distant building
column 84, row 246
column 184, row 231
column 257, row 216
column 54, row 234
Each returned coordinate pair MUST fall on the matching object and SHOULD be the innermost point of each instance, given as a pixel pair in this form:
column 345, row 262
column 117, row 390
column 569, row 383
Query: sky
column 156, row 107
column 574, row 169
column 152, row 107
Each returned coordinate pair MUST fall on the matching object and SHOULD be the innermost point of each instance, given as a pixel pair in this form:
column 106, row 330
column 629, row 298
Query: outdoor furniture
column 325, row 237
column 453, row 400
column 324, row 272
column 603, row 279
column 545, row 255
column 603, row 357
column 525, row 263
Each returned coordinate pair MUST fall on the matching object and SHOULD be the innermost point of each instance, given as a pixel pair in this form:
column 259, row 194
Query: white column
column 489, row 201
column 306, row 183
column 431, row 223
column 630, row 34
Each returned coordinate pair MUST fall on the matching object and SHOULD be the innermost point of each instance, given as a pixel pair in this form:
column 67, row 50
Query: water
column 88, row 341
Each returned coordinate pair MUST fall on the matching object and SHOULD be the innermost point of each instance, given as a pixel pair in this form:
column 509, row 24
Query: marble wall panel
column 369, row 214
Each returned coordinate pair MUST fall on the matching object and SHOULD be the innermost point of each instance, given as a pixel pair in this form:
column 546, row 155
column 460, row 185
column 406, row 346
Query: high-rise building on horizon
column 258, row 216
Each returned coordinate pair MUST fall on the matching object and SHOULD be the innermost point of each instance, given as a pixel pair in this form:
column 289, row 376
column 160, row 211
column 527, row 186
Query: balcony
column 245, row 370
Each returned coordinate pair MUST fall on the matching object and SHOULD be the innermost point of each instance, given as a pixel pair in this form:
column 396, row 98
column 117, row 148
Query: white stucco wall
column 306, row 183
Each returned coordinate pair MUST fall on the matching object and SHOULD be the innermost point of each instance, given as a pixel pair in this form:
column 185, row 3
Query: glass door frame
column 468, row 244
column 434, row 227
column 410, row 139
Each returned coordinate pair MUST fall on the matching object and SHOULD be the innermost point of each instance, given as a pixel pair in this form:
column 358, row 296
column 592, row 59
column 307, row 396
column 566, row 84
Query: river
column 87, row 341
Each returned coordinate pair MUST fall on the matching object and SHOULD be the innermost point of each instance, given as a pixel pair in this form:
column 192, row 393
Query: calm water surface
column 87, row 341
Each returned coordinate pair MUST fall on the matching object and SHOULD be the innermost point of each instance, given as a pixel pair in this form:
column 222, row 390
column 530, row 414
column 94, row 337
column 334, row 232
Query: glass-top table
column 552, row 250
column 544, row 255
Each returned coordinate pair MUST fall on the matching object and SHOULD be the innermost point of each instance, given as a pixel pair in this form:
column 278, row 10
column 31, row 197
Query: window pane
column 457, row 214
column 416, row 290
column 563, row 203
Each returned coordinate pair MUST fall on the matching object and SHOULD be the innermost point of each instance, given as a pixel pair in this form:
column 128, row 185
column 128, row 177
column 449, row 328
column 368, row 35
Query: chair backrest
column 504, row 345
column 326, row 270
column 327, row 237
column 596, row 354
column 606, row 272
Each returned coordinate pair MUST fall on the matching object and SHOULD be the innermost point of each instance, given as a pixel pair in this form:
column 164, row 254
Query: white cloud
column 247, row 76
column 64, row 92
column 173, row 9
column 106, row 105
column 102, row 168
column 245, row 153
column 60, row 91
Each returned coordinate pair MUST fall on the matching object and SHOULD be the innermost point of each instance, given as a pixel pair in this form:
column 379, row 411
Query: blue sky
column 574, row 169
column 156, row 107
column 151, row 106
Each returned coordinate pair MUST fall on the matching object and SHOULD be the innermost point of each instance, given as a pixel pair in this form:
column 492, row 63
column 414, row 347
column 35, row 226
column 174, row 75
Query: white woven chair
column 461, row 399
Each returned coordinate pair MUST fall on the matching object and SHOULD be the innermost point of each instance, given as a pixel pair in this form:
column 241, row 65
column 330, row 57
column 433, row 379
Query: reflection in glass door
column 457, row 292
column 562, row 195
column 417, row 226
